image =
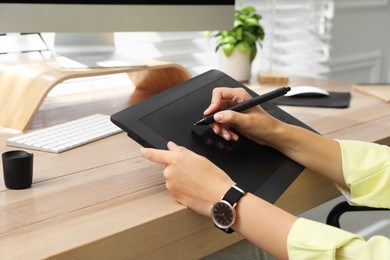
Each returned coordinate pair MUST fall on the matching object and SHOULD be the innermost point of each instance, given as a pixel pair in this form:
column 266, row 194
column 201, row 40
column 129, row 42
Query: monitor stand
column 90, row 50
column 24, row 85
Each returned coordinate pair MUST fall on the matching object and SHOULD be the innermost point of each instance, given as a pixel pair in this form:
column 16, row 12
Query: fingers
column 224, row 132
column 164, row 156
column 226, row 120
column 228, row 117
column 161, row 156
column 155, row 155
column 180, row 149
column 225, row 97
column 216, row 101
column 172, row 146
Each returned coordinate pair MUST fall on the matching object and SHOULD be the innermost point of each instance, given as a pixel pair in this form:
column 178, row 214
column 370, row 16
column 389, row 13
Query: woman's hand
column 253, row 123
column 316, row 152
column 192, row 180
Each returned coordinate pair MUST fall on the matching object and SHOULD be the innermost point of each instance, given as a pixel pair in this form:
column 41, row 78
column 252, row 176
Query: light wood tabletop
column 103, row 201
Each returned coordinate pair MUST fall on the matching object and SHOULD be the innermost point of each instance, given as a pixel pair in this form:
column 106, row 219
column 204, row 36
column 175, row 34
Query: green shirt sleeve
column 366, row 169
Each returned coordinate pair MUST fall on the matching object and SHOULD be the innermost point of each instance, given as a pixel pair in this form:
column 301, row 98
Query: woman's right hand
column 253, row 123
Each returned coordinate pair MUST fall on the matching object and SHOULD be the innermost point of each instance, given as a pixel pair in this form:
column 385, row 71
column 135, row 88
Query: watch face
column 223, row 214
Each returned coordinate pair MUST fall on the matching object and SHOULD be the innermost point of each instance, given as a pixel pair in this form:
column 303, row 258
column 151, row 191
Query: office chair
column 334, row 215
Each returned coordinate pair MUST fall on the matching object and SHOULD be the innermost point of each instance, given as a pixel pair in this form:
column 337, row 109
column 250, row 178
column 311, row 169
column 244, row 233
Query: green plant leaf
column 224, row 34
column 245, row 34
column 228, row 49
column 257, row 16
column 251, row 22
column 249, row 37
column 229, row 39
column 238, row 33
column 238, row 23
column 253, row 53
column 260, row 33
column 249, row 9
column 243, row 47
column 242, row 17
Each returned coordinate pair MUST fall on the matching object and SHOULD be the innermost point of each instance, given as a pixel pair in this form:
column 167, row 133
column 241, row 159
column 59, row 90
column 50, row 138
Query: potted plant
column 237, row 47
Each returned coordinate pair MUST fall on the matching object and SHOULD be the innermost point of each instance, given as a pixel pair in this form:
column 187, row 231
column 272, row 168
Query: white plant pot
column 237, row 66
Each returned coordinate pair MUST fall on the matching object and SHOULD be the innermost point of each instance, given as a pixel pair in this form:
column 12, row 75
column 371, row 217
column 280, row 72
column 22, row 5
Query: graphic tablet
column 171, row 114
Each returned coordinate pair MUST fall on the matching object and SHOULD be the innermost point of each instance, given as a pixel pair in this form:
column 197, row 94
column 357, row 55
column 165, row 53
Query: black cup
column 18, row 169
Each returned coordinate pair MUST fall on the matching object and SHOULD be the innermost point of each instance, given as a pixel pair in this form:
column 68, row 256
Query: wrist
column 223, row 212
column 277, row 134
column 220, row 191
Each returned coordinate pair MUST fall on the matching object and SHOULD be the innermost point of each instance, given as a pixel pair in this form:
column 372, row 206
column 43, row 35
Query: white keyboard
column 65, row 136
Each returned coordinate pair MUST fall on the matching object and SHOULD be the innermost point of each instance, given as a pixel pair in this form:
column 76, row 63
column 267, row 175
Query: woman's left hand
column 192, row 180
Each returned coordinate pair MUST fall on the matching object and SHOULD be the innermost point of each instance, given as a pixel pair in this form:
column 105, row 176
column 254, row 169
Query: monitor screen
column 115, row 15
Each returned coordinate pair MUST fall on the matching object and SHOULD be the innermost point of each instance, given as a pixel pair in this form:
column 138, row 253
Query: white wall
column 360, row 44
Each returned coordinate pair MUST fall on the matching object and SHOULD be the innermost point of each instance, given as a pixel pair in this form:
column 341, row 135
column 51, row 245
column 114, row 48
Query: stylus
column 247, row 104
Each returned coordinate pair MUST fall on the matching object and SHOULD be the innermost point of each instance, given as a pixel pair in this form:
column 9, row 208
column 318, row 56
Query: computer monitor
column 85, row 18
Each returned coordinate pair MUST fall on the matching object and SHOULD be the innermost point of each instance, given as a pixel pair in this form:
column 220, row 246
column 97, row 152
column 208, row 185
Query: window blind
column 17, row 46
column 298, row 34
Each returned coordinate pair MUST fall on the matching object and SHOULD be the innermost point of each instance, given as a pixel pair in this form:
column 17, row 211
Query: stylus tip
column 200, row 122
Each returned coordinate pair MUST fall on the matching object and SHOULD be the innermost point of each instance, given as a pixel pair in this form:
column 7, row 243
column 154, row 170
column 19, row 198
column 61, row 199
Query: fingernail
column 171, row 145
column 218, row 117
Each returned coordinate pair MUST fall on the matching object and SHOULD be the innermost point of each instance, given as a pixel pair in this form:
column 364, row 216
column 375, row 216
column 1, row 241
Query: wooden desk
column 103, row 201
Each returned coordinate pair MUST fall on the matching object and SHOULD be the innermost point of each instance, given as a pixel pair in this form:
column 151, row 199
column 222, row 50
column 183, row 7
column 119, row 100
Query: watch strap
column 234, row 194
column 228, row 230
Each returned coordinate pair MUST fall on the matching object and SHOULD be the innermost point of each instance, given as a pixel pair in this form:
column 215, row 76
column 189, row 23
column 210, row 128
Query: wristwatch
column 223, row 212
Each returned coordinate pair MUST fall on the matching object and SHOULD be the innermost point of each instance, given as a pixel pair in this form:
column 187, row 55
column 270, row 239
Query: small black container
column 17, row 169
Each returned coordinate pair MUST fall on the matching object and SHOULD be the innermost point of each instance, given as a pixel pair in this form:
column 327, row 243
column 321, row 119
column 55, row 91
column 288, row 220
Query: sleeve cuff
column 366, row 169
column 308, row 239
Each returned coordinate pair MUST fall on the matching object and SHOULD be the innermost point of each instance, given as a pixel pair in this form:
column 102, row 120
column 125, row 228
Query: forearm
column 315, row 152
column 264, row 224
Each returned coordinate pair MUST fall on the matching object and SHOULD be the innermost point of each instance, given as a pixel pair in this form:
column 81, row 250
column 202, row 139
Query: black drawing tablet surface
column 171, row 114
